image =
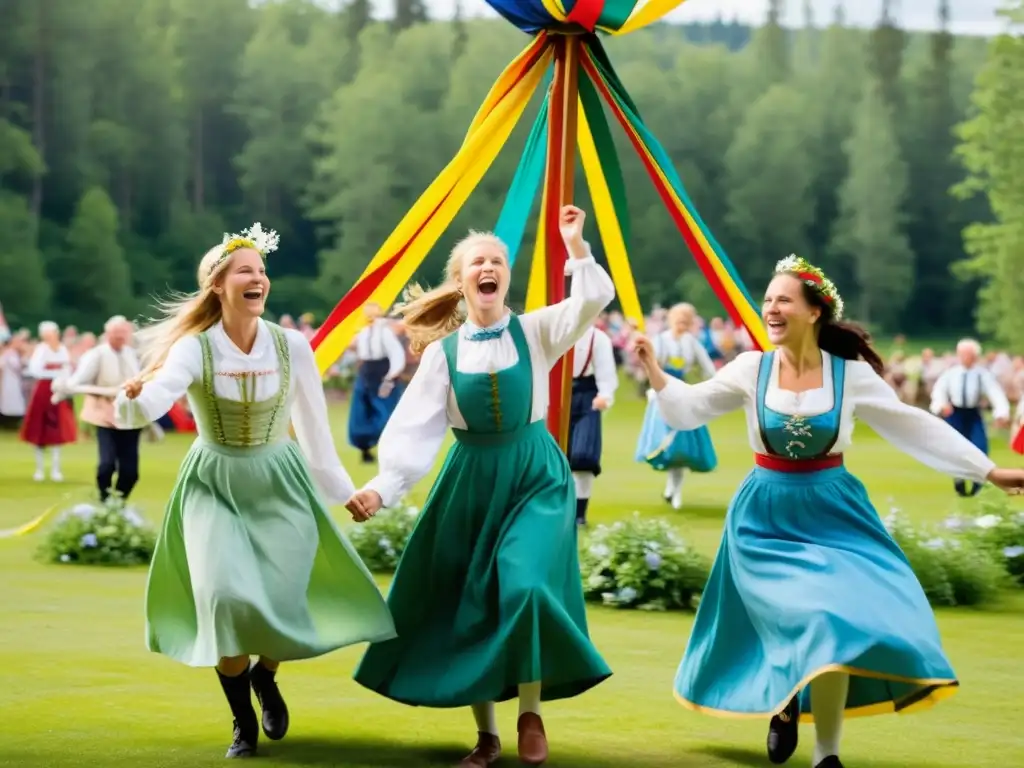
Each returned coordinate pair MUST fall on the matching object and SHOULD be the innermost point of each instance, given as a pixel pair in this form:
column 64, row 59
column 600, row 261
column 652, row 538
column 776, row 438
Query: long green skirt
column 249, row 562
column 488, row 593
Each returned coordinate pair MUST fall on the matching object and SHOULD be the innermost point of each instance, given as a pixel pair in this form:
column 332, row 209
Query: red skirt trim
column 46, row 424
column 779, row 464
column 1018, row 440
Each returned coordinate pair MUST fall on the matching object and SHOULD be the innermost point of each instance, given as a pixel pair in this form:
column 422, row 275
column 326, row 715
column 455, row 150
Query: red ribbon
column 586, row 13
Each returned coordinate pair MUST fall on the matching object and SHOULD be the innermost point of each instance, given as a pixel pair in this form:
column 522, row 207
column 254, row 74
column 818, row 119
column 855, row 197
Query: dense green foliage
column 130, row 141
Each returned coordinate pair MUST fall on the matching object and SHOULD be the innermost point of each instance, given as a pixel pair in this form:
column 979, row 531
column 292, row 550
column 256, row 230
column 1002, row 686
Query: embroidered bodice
column 796, row 436
column 245, row 422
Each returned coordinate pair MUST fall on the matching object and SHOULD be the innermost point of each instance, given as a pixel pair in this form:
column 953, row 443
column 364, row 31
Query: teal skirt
column 249, row 562
column 808, row 580
column 665, row 448
column 488, row 592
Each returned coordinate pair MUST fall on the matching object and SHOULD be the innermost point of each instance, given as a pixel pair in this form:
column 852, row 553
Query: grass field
column 78, row 688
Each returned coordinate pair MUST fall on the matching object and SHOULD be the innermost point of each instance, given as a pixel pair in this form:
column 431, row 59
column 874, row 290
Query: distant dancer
column 381, row 360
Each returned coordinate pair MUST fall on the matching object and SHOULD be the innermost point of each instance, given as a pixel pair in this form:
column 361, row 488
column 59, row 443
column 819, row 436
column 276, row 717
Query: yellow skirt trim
column 943, row 688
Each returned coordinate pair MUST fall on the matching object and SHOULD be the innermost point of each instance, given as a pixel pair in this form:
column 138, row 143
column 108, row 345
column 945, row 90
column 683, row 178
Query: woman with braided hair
column 812, row 611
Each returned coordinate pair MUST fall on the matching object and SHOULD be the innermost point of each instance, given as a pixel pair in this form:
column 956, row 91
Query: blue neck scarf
column 473, row 333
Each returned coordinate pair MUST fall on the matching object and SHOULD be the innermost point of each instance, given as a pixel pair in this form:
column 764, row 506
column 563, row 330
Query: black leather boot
column 784, row 732
column 247, row 729
column 275, row 711
column 581, row 511
column 830, row 762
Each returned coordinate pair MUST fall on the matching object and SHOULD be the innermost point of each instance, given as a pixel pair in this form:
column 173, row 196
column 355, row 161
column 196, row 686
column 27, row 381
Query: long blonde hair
column 430, row 315
column 183, row 314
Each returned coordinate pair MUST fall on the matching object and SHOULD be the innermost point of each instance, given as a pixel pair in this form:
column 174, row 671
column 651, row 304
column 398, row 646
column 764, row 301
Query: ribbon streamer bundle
column 566, row 55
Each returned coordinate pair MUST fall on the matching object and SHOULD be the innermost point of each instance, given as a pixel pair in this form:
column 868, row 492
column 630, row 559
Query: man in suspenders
column 595, row 380
column 957, row 397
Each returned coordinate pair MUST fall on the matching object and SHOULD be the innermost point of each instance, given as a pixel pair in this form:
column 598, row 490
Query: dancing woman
column 377, row 387
column 665, row 449
column 249, row 562
column 487, row 598
column 812, row 611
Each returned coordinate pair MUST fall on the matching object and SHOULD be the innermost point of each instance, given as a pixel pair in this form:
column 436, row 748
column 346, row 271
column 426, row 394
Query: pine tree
column 460, row 32
column 993, row 154
column 887, row 44
column 25, row 288
column 869, row 230
column 408, row 13
column 935, row 218
column 772, row 47
column 97, row 275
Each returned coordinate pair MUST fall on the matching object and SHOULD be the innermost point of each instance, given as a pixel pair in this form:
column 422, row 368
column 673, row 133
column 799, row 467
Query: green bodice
column 247, row 422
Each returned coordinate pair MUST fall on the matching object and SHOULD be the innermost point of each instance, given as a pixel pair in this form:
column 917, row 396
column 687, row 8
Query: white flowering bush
column 642, row 563
column 381, row 540
column 108, row 533
column 953, row 569
column 998, row 529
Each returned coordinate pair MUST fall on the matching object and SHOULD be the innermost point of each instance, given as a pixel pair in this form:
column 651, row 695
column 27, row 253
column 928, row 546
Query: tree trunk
column 198, row 187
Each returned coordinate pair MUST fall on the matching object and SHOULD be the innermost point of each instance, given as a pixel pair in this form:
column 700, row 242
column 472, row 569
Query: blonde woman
column 249, row 562
column 665, row 449
column 487, row 598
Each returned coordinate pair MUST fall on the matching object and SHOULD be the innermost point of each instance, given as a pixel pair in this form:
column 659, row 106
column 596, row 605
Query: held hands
column 364, row 505
column 570, row 224
column 1001, row 423
column 1009, row 480
column 600, row 404
column 133, row 388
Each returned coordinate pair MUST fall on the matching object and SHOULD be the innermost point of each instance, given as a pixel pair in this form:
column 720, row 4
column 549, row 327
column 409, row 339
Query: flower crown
column 816, row 279
column 264, row 242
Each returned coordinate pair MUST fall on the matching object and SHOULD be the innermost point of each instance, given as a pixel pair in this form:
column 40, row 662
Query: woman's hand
column 1009, row 480
column 364, row 504
column 570, row 224
column 644, row 349
column 133, row 388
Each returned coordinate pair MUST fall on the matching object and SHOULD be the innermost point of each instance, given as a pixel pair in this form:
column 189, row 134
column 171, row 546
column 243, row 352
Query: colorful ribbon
column 397, row 260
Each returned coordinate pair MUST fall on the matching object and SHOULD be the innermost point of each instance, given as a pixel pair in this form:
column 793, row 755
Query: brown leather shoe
column 486, row 751
column 533, row 744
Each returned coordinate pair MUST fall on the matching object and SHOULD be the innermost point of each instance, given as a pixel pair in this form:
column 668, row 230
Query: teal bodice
column 799, row 437
column 493, row 403
column 244, row 423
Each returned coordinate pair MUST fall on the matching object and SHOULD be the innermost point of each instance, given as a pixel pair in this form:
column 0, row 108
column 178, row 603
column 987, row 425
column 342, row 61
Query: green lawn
column 78, row 687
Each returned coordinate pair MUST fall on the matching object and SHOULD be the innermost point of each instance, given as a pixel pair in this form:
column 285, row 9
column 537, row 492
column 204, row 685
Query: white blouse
column 306, row 401
column 43, row 356
column 866, row 395
column 414, row 433
column 686, row 348
column 378, row 342
column 601, row 365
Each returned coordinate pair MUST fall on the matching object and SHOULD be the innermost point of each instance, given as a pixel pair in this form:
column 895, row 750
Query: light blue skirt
column 665, row 448
column 808, row 580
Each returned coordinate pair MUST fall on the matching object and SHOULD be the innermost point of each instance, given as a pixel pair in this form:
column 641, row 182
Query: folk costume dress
column 381, row 357
column 807, row 579
column 487, row 595
column 48, row 425
column 249, row 560
column 594, row 375
column 667, row 449
column 963, row 389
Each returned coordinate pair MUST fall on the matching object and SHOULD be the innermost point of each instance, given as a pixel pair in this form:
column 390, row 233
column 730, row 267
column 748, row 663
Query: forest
column 129, row 142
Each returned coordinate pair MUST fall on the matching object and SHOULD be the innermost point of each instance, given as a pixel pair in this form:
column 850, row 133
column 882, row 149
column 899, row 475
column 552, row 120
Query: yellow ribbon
column 608, row 224
column 33, row 525
column 441, row 201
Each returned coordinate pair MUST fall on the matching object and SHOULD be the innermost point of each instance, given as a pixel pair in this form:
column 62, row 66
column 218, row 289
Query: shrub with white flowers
column 998, row 529
column 108, row 533
column 381, row 540
column 642, row 563
column 953, row 569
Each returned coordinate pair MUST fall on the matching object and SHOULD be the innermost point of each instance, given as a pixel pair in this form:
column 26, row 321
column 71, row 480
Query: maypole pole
column 563, row 102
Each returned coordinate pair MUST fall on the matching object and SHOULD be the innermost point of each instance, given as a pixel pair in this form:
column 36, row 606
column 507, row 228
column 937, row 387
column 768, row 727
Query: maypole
column 561, row 173
column 567, row 58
